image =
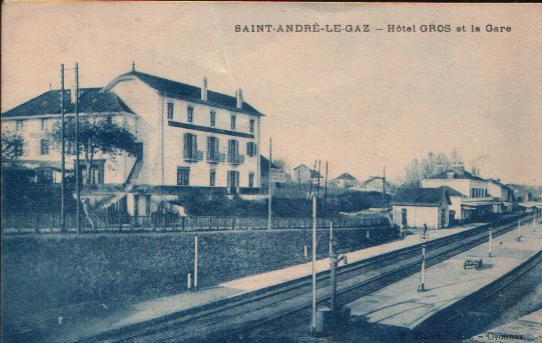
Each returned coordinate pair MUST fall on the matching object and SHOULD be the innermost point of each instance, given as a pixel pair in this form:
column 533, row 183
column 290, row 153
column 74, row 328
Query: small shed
column 414, row 207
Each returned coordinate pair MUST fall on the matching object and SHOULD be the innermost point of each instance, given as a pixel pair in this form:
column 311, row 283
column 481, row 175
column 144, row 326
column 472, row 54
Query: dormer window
column 170, row 110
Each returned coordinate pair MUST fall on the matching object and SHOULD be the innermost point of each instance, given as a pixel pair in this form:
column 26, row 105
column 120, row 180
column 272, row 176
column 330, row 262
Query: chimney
column 239, row 96
column 73, row 94
column 204, row 90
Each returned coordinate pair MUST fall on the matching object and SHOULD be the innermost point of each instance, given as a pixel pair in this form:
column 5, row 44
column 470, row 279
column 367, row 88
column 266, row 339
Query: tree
column 418, row 170
column 95, row 136
column 12, row 145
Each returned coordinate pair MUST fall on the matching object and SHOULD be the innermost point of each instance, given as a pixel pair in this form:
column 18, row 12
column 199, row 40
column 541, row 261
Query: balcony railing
column 216, row 157
column 236, row 159
column 193, row 155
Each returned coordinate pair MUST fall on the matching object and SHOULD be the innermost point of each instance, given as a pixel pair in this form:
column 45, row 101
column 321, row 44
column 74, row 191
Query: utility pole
column 313, row 324
column 324, row 207
column 62, row 153
column 318, row 176
column 330, row 238
column 76, row 167
column 384, row 189
column 270, row 187
column 421, row 287
column 196, row 255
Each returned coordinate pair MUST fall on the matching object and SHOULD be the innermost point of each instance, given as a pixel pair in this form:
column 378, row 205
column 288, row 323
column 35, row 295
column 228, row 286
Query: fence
column 48, row 223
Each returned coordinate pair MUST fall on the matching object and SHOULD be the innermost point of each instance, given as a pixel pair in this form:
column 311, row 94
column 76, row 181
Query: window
column 233, row 122
column 251, row 179
column 190, row 146
column 183, row 176
column 70, row 147
column 251, row 149
column 233, row 147
column 251, row 125
column 212, row 178
column 189, row 114
column 212, row 148
column 19, row 125
column 233, row 181
column 43, row 124
column 109, row 120
column 44, row 147
column 213, row 118
column 170, row 110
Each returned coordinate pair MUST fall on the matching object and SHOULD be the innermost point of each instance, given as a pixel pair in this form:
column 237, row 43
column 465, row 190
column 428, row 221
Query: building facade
column 416, row 207
column 187, row 136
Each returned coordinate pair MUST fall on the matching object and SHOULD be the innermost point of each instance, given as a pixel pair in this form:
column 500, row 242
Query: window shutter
column 217, row 145
column 209, row 147
column 194, row 143
column 185, row 137
column 229, row 179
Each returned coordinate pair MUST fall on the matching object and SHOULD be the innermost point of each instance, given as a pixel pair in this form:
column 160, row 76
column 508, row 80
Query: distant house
column 303, row 174
column 501, row 193
column 521, row 194
column 345, row 180
column 456, row 199
column 375, row 184
column 277, row 174
column 414, row 207
column 476, row 201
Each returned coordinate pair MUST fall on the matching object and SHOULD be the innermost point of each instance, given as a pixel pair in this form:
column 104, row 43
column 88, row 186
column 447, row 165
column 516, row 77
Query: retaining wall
column 49, row 271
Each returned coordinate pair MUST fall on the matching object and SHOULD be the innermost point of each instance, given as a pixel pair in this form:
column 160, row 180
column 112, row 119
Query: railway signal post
column 421, row 287
column 489, row 252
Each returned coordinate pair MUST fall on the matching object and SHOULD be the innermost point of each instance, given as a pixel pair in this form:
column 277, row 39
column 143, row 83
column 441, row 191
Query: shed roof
column 420, row 196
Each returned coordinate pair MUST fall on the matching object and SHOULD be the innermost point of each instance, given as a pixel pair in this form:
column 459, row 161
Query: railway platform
column 525, row 329
column 79, row 326
column 403, row 306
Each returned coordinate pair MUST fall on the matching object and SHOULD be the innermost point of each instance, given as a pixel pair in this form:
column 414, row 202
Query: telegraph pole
column 196, row 262
column 76, row 167
column 324, row 207
column 313, row 324
column 270, row 187
column 384, row 189
column 62, row 152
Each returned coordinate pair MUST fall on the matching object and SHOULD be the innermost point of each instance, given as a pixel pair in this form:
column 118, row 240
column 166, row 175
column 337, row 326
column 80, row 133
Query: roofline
column 420, row 204
column 52, row 115
column 128, row 76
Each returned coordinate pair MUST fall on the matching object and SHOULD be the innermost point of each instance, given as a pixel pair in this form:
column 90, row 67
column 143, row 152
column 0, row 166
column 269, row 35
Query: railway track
column 235, row 315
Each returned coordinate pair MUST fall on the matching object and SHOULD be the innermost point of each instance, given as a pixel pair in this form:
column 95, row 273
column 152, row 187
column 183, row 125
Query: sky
column 361, row 101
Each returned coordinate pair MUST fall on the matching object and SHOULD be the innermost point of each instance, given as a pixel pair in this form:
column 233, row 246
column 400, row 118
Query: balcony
column 216, row 157
column 193, row 156
column 236, row 159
